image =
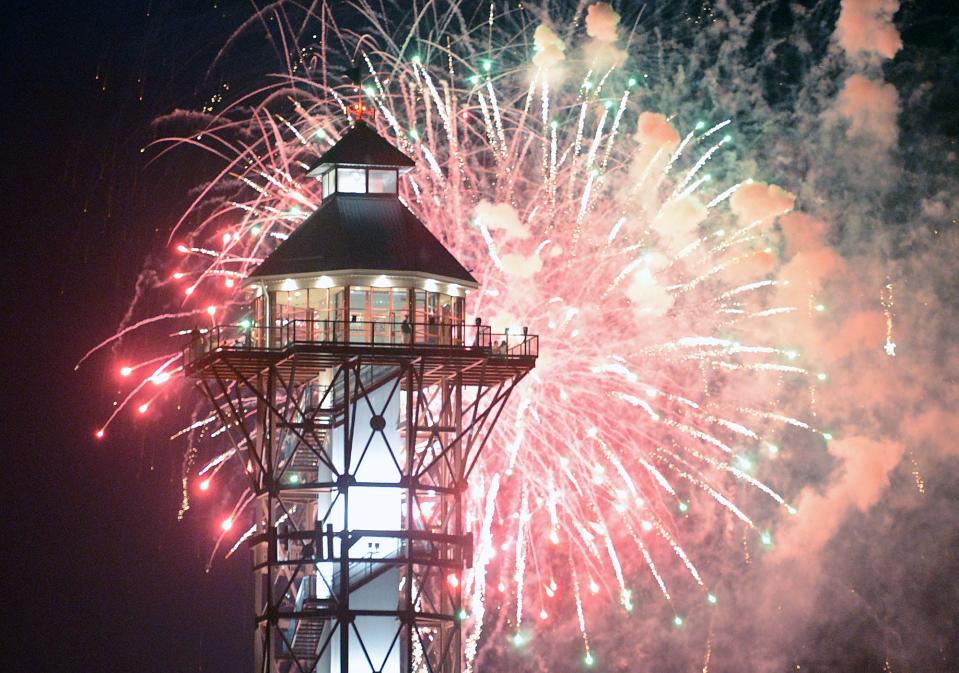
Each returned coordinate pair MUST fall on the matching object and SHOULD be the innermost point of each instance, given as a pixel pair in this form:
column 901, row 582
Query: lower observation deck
column 301, row 349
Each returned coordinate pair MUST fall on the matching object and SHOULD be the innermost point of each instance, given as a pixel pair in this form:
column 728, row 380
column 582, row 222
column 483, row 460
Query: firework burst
column 589, row 221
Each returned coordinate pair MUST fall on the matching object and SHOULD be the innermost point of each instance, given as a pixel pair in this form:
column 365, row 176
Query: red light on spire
column 358, row 110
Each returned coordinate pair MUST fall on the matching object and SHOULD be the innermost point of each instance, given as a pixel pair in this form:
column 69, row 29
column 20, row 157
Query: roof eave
column 320, row 168
column 347, row 274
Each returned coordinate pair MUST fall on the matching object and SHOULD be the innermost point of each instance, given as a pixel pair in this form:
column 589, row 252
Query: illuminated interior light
column 211, row 310
column 431, row 285
column 227, row 523
column 205, row 485
column 178, row 275
column 229, row 282
column 324, row 282
column 182, row 248
column 143, row 408
column 289, row 285
column 126, row 371
column 99, row 434
column 381, row 281
column 453, row 579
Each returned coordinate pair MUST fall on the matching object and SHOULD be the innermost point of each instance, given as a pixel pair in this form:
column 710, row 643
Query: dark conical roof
column 362, row 232
column 362, row 145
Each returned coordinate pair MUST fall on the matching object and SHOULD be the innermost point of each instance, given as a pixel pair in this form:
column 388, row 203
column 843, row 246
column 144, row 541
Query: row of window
column 359, row 181
column 366, row 304
column 373, row 315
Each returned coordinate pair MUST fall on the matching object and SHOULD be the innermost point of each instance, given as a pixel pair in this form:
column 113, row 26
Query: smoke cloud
column 678, row 219
column 650, row 299
column 758, row 201
column 500, row 217
column 862, row 475
column 865, row 28
column 654, row 132
column 871, row 109
column 549, row 48
column 602, row 23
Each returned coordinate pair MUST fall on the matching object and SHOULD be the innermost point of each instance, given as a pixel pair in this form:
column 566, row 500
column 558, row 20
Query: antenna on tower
column 358, row 109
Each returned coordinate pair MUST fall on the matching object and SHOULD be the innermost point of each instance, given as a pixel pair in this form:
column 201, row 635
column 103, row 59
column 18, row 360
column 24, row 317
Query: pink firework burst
column 661, row 381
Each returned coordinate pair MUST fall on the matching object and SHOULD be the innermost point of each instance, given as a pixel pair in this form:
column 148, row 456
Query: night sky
column 101, row 576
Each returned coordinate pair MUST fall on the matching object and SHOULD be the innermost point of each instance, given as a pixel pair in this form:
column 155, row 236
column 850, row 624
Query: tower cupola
column 362, row 259
column 362, row 162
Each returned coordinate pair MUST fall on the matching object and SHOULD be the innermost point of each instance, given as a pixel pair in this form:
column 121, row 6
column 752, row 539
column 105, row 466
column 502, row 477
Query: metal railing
column 387, row 334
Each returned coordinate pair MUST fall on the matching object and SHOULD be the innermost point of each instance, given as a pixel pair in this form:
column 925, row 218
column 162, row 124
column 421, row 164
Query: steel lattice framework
column 339, row 436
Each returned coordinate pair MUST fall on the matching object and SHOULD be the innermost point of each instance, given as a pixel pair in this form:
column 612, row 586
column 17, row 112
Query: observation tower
column 359, row 396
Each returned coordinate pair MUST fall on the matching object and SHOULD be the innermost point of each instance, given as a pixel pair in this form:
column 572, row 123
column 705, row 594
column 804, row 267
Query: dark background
column 99, row 574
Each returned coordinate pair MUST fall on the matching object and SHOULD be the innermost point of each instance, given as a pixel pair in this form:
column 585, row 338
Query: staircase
column 308, row 631
column 305, row 634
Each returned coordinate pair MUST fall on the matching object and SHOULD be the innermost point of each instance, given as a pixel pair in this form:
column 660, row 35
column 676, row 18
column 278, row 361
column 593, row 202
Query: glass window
column 336, row 313
column 319, row 314
column 328, row 183
column 401, row 303
column 358, row 314
column 351, row 180
column 382, row 182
